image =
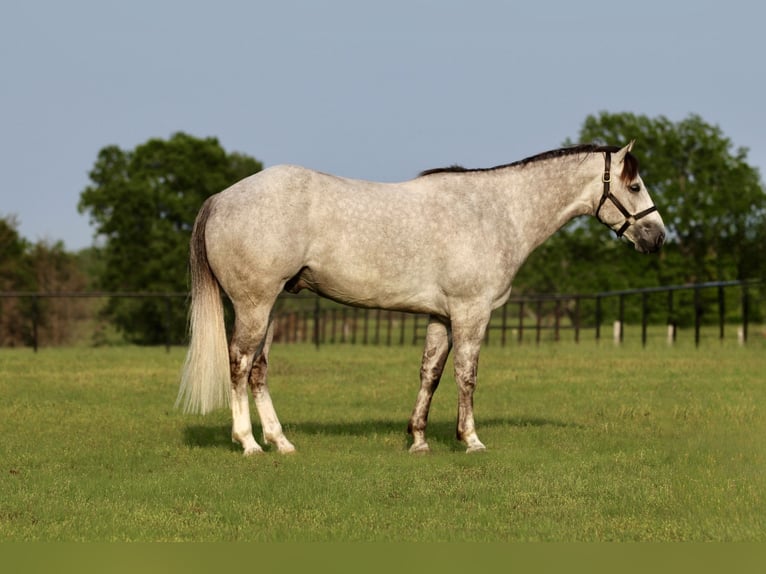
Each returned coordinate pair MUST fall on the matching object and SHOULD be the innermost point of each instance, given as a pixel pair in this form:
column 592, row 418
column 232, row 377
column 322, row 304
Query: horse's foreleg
column 468, row 339
column 272, row 429
column 437, row 348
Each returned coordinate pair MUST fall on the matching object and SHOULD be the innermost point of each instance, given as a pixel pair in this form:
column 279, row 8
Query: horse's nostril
column 660, row 239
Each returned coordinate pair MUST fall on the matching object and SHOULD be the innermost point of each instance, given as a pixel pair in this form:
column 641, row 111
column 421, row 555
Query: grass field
column 585, row 442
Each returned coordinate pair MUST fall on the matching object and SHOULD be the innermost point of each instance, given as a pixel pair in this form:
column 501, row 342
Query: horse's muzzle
column 650, row 239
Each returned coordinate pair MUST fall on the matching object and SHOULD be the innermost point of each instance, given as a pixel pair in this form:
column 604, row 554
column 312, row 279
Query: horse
column 446, row 243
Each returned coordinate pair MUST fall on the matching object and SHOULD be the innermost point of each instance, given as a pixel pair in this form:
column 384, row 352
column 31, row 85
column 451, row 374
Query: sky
column 373, row 90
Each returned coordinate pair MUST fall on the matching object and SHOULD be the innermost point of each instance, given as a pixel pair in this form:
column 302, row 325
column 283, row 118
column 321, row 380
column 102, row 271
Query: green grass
column 585, row 442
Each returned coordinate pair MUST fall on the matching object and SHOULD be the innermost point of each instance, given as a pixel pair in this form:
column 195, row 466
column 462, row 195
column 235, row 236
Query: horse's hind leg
column 249, row 338
column 435, row 354
column 272, row 429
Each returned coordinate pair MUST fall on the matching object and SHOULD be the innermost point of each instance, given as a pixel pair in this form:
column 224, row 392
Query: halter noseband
column 629, row 219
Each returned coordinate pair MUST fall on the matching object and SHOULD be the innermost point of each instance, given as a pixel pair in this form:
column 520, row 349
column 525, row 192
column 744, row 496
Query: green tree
column 15, row 275
column 143, row 203
column 55, row 270
column 712, row 201
column 40, row 267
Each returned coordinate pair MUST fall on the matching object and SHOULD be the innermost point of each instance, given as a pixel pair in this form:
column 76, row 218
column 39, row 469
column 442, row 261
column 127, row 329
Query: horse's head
column 625, row 205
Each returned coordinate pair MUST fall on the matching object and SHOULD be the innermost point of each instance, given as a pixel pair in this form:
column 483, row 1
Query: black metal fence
column 708, row 310
column 34, row 322
column 716, row 309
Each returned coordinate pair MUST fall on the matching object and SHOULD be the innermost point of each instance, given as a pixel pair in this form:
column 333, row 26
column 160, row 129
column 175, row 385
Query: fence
column 702, row 308
column 699, row 308
column 31, row 323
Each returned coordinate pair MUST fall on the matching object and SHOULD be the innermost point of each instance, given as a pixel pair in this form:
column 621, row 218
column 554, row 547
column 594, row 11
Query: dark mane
column 629, row 170
column 451, row 169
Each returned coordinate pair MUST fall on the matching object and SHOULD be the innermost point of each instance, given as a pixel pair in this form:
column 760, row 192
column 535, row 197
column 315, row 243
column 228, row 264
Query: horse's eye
column 635, row 188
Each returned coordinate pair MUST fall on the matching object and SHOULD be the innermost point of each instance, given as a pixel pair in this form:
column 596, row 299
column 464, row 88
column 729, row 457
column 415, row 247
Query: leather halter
column 629, row 218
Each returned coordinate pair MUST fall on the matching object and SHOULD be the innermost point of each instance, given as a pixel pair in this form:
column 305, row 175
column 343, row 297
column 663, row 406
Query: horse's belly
column 369, row 288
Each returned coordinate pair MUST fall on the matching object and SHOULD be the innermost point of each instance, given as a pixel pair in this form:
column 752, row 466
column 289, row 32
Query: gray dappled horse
column 447, row 243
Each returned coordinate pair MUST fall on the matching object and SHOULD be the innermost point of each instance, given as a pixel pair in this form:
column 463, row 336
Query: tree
column 42, row 267
column 15, row 275
column 712, row 201
column 143, row 203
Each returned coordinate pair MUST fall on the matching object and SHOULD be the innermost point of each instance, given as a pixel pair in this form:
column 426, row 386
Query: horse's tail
column 205, row 381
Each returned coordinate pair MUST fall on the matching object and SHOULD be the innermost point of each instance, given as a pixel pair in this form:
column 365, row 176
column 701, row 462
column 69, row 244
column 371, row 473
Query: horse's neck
column 544, row 196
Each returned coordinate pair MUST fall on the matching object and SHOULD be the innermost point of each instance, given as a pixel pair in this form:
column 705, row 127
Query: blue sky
column 375, row 90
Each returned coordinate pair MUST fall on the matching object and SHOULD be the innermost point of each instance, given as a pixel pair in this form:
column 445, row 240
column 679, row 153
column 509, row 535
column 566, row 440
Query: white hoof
column 283, row 445
column 249, row 446
column 420, row 448
column 476, row 448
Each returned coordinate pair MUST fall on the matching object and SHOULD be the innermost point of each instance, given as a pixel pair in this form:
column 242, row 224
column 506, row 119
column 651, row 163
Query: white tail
column 205, row 381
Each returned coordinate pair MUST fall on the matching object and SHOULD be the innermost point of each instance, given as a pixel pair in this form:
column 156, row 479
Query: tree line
column 41, row 266
column 142, row 204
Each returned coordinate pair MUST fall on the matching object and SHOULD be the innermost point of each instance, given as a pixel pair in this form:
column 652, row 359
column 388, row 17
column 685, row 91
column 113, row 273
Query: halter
column 629, row 219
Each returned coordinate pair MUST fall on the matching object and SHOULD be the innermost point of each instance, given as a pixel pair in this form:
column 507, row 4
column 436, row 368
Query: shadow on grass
column 443, row 432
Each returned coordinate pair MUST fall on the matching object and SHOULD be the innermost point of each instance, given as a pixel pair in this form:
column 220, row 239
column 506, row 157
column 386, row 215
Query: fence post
column 721, row 312
column 521, row 322
column 316, row 323
column 644, row 316
column 745, row 311
column 671, row 320
column 35, row 320
column 577, row 319
column 598, row 318
column 504, row 324
column 168, row 312
column 538, row 323
column 697, row 316
column 377, row 326
column 622, row 317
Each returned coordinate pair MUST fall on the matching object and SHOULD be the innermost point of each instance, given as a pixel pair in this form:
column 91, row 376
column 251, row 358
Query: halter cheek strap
column 630, row 219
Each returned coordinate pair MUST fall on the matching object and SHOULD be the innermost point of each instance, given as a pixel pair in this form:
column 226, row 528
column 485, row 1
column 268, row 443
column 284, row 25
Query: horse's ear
column 624, row 151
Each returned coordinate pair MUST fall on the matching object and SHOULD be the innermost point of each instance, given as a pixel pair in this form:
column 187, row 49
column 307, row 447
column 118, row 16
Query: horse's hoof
column 421, row 448
column 283, row 445
column 252, row 451
column 476, row 448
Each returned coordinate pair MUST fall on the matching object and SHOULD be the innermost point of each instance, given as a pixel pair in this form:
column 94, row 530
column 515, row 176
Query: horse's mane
column 629, row 170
